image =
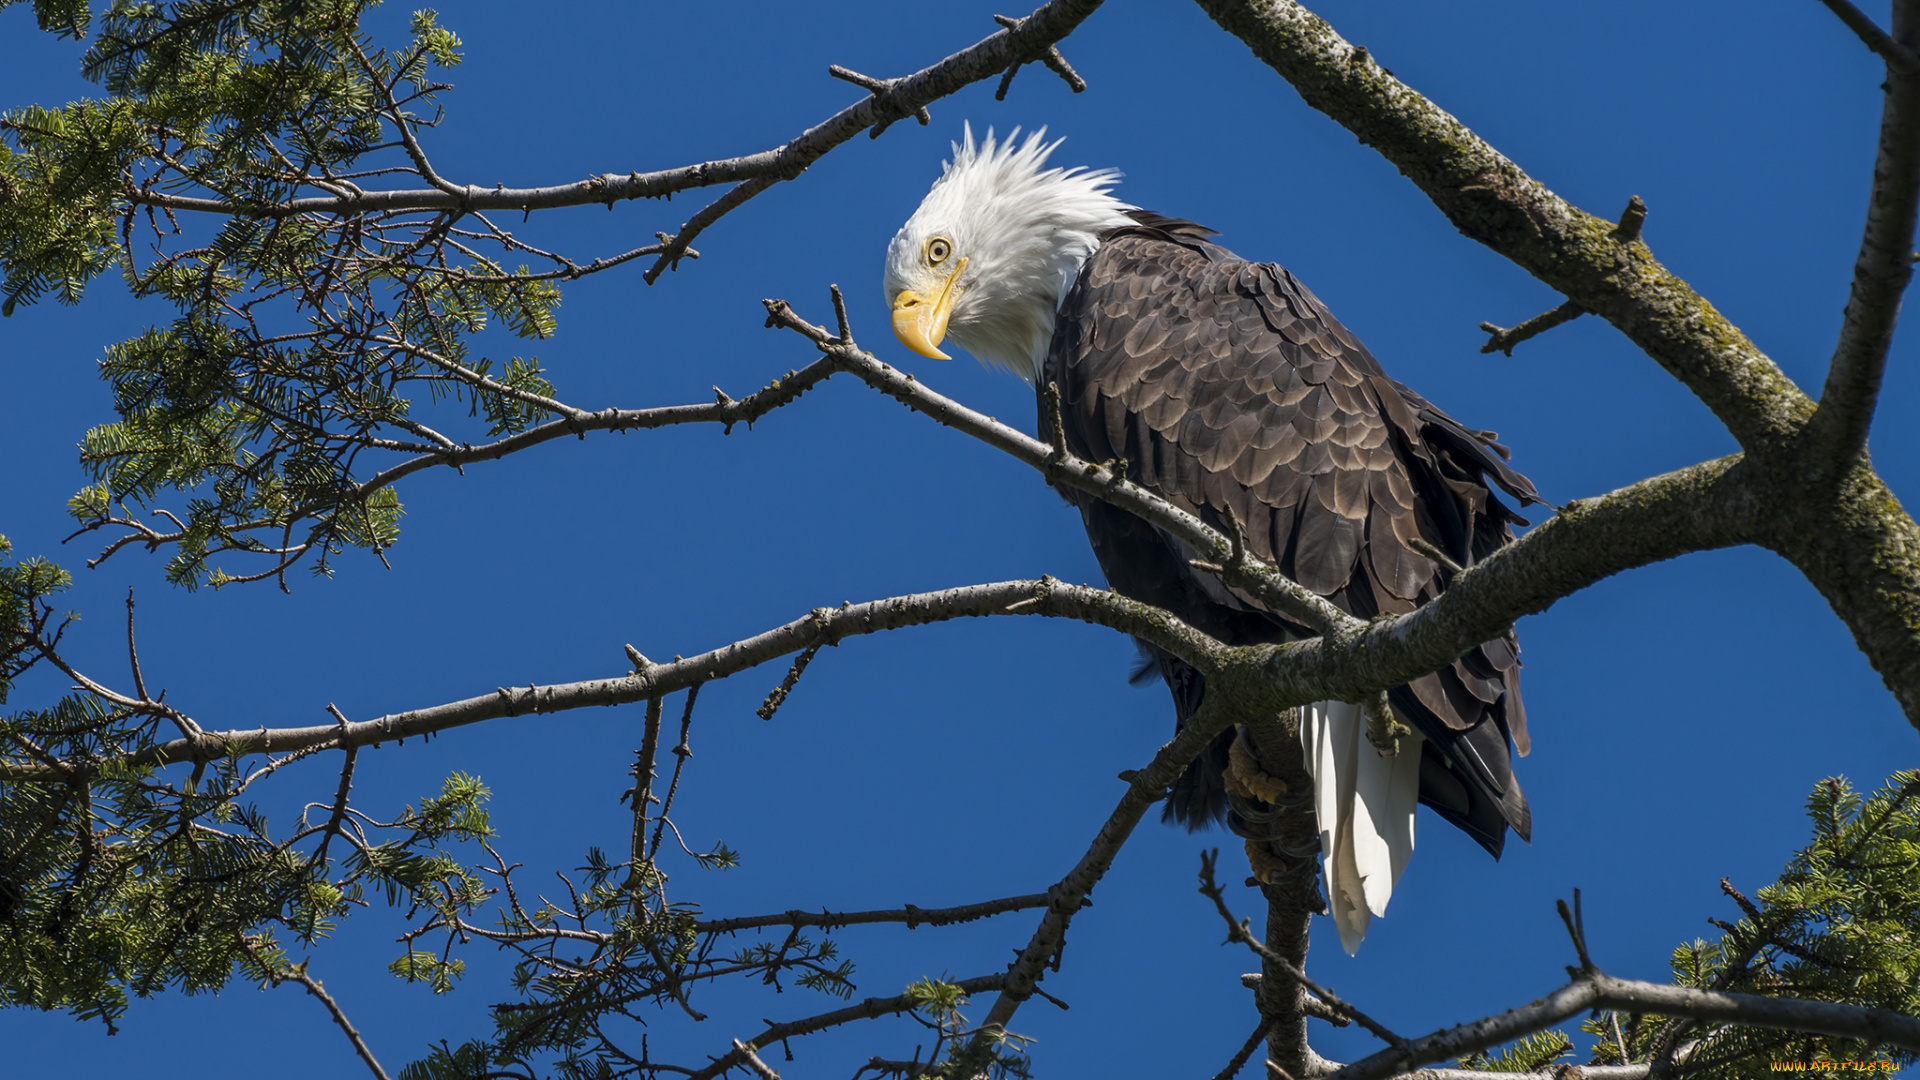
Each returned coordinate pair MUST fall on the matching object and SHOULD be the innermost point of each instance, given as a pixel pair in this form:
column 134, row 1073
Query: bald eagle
column 1228, row 388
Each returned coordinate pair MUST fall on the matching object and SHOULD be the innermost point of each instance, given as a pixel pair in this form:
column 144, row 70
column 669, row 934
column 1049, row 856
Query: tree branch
column 1144, row 788
column 1581, row 1072
column 826, row 626
column 1495, row 202
column 1503, row 340
column 1102, row 481
column 1875, row 1027
column 869, row 1009
column 1846, row 531
column 914, row 917
column 1898, row 56
column 725, row 411
column 1838, row 430
column 298, row 973
column 1029, row 38
column 1697, row 508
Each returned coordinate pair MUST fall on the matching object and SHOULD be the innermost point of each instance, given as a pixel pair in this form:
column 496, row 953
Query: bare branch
column 1030, row 37
column 823, row 626
column 642, row 795
column 752, row 1060
column 1051, row 57
column 681, row 752
column 1492, row 200
column 726, row 412
column 1897, row 56
column 1881, row 271
column 1106, row 482
column 1694, row 509
column 1576, row 929
column 865, row 1010
column 1144, row 788
column 1503, row 340
column 1875, row 1027
column 1863, row 552
column 298, row 973
column 913, row 916
column 1246, row 1051
column 778, row 695
column 1237, row 931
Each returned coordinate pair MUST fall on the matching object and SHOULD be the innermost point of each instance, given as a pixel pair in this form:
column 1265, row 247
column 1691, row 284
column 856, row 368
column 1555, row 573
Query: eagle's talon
column 1246, row 779
column 1270, row 868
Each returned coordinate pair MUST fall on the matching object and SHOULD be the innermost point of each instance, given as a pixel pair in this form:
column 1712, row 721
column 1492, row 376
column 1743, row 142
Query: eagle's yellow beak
column 920, row 321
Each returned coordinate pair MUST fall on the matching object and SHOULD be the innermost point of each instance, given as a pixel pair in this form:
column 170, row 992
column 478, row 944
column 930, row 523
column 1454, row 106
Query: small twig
column 1247, row 1049
column 1875, row 38
column 861, row 1010
column 779, row 694
column 1055, row 62
column 881, row 89
column 1576, row 929
column 1383, row 730
column 1420, row 545
column 298, row 973
column 133, row 654
column 1311, row 1005
column 339, row 796
column 1056, row 423
column 840, row 313
column 1237, row 931
column 1236, row 538
column 1634, row 216
column 760, row 1068
column 681, row 752
column 642, row 792
column 638, row 659
column 1504, row 340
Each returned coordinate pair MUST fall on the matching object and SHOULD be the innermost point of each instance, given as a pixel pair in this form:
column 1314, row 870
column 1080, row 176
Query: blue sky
column 1680, row 713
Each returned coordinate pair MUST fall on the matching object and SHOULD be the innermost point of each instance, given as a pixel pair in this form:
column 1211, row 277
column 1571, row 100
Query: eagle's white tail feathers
column 1365, row 805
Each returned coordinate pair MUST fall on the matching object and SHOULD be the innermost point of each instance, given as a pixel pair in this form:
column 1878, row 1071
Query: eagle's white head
column 993, row 248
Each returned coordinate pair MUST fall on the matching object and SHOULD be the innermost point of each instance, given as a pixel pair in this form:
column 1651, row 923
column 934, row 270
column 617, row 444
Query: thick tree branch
column 1700, row 507
column 1875, row 1027
column 1861, row 549
column 1897, row 55
column 1494, row 201
column 1693, row 509
column 1841, row 527
column 1882, row 269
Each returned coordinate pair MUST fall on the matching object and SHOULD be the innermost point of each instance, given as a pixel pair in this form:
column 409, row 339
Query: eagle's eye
column 938, row 249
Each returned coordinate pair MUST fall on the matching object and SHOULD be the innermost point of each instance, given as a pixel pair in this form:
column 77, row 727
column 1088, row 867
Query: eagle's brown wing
column 1228, row 387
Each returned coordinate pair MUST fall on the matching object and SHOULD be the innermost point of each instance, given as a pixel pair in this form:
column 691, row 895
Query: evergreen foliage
column 121, row 876
column 304, row 339
column 1840, row 925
